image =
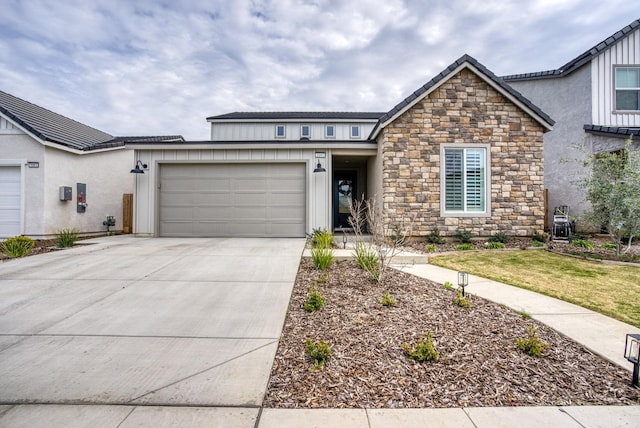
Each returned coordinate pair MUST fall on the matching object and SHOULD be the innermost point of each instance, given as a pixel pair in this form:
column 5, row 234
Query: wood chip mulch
column 480, row 364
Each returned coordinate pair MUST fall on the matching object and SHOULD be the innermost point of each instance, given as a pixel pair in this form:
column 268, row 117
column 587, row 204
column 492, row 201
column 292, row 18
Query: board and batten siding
column 267, row 131
column 625, row 52
column 146, row 203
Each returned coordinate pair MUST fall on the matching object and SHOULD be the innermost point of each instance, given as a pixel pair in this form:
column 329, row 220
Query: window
column 464, row 188
column 280, row 131
column 305, row 131
column 330, row 131
column 627, row 88
column 355, row 131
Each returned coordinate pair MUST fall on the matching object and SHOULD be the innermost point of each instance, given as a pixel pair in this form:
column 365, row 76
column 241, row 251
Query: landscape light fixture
column 319, row 168
column 632, row 354
column 139, row 168
column 344, row 240
column 463, row 280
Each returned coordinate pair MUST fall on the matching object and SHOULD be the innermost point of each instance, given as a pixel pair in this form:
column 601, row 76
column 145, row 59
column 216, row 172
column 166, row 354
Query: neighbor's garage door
column 9, row 201
column 243, row 200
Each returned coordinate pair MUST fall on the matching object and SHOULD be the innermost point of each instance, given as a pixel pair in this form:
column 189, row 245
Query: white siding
column 267, row 131
column 625, row 52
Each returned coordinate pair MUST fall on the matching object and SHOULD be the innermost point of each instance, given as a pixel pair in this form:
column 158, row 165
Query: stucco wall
column 464, row 110
column 568, row 101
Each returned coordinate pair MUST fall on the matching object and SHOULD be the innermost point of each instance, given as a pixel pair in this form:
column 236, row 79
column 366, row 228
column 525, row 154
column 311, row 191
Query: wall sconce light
column 632, row 354
column 139, row 168
column 319, row 168
column 463, row 280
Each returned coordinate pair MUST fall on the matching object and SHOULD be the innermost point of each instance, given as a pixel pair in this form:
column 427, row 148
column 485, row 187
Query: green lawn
column 612, row 290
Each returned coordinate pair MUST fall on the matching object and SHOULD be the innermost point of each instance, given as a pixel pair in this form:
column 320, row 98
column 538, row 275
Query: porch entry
column 345, row 188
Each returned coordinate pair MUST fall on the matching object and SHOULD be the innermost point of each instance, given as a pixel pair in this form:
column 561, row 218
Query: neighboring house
column 56, row 173
column 463, row 151
column 595, row 99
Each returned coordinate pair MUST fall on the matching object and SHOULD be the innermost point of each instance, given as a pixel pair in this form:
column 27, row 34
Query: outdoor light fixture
column 632, row 354
column 463, row 280
column 319, row 168
column 139, row 168
column 344, row 240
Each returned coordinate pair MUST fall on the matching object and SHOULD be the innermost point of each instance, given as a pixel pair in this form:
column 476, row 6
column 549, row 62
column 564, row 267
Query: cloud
column 161, row 67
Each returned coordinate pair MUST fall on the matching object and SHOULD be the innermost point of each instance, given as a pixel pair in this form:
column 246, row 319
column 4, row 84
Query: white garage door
column 242, row 200
column 10, row 201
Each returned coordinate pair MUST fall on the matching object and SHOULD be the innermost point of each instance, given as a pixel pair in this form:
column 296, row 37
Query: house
column 595, row 99
column 464, row 151
column 56, row 173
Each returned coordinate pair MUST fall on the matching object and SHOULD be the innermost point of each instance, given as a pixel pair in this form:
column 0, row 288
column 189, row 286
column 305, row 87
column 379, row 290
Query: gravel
column 480, row 363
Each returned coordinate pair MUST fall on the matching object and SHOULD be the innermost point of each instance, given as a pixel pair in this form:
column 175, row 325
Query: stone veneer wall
column 464, row 109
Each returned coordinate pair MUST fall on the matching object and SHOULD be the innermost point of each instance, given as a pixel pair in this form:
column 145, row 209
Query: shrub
column 424, row 350
column 367, row 259
column 65, row 238
column 322, row 279
column 431, row 248
column 462, row 301
column 387, row 300
column 315, row 301
column 537, row 244
column 319, row 351
column 464, row 236
column 609, row 246
column 434, row 236
column 464, row 247
column 322, row 258
column 540, row 237
column 494, row 245
column 448, row 285
column 532, row 345
column 500, row 237
column 18, row 246
column 322, row 238
column 583, row 243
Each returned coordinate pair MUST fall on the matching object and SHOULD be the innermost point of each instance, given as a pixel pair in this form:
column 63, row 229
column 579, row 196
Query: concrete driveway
column 148, row 321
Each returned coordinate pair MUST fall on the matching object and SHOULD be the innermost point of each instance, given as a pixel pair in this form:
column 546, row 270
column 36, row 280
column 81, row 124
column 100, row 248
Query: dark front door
column 345, row 187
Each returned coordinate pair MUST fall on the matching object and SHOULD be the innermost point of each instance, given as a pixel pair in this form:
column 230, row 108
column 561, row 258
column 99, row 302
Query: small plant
column 322, row 258
column 388, row 300
column 540, row 237
column 494, row 245
column 464, row 236
column 315, row 301
column 367, row 259
column 322, row 279
column 322, row 238
column 18, row 246
column 398, row 235
column 462, row 301
column 431, row 248
column 500, row 237
column 65, row 238
column 524, row 314
column 319, row 351
column 609, row 246
column 537, row 244
column 434, row 236
column 423, row 351
column 464, row 247
column 532, row 345
column 582, row 243
column 448, row 285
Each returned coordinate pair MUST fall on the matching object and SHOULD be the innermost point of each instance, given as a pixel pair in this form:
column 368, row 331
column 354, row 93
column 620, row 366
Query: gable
column 8, row 128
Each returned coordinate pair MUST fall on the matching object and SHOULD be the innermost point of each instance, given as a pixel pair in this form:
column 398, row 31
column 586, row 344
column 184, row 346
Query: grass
column 611, row 290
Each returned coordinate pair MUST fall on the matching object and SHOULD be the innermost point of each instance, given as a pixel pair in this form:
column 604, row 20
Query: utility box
column 65, row 193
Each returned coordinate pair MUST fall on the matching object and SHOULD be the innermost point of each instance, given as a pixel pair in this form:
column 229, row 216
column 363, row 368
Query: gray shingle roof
column 50, row 126
column 446, row 72
column 580, row 60
column 298, row 115
column 612, row 131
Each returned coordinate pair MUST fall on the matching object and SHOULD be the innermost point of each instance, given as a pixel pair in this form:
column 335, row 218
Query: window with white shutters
column 465, row 180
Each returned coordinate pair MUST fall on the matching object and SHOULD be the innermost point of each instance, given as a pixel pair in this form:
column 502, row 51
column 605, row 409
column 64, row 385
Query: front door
column 345, row 188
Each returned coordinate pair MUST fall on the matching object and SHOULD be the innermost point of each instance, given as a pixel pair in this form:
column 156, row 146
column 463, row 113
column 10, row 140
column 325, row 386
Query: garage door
column 243, row 200
column 10, row 201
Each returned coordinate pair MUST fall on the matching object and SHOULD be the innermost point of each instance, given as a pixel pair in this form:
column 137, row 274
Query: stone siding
column 464, row 110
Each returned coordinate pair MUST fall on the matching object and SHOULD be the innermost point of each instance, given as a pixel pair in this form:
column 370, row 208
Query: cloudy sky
column 150, row 67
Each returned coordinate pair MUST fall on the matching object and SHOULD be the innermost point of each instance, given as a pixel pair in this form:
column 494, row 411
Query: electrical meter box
column 65, row 193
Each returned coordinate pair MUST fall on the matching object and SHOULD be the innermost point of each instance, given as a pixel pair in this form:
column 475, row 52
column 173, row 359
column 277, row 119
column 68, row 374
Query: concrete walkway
column 85, row 332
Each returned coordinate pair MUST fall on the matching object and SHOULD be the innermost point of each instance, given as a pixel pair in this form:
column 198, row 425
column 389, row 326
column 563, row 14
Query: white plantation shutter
column 474, row 174
column 453, row 184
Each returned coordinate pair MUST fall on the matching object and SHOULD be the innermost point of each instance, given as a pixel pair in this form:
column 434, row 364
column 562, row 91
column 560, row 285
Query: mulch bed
column 480, row 364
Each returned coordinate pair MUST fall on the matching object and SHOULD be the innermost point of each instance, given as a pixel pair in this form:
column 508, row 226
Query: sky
column 148, row 67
